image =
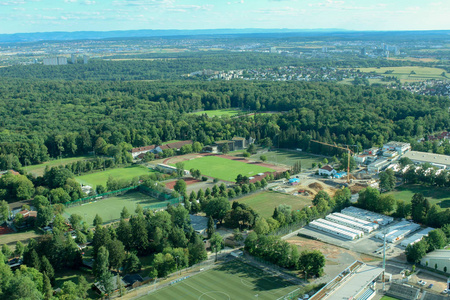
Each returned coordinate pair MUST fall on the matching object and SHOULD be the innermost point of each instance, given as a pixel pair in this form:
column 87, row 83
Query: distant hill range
column 216, row 33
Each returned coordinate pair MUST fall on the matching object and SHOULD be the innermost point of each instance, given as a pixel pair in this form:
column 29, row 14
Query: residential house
column 239, row 143
column 327, row 170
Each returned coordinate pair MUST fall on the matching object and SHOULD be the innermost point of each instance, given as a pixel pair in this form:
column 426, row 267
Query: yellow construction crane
column 348, row 156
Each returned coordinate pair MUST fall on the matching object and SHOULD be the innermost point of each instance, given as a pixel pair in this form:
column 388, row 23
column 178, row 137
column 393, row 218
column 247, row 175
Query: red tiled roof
column 328, row 168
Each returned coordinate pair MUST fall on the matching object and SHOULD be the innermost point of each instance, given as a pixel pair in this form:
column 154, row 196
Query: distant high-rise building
column 273, row 49
column 363, row 51
column 55, row 61
column 324, row 49
column 85, row 59
column 62, row 60
column 74, row 58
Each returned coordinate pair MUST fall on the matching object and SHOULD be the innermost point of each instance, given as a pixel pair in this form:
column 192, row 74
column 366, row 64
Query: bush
column 204, row 178
column 216, row 180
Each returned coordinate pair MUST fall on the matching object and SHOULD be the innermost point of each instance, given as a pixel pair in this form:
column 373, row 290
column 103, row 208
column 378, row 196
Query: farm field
column 232, row 280
column 404, row 73
column 290, row 157
column 38, row 170
column 126, row 173
column 265, row 202
column 223, row 168
column 218, row 112
column 109, row 209
column 436, row 195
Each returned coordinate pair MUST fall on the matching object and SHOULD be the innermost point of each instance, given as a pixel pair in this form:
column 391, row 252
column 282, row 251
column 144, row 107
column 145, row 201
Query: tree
column 197, row 251
column 116, row 251
column 101, row 270
column 251, row 149
column 100, row 189
column 216, row 243
column 263, row 158
column 44, row 216
column 47, row 268
column 98, row 221
column 261, row 226
column 415, row 252
column 4, row 211
column 75, row 220
column 436, row 239
column 180, row 169
column 225, row 148
column 132, row 264
column 83, row 287
column 180, row 186
column 387, row 180
column 124, row 214
column 218, row 208
column 48, row 290
column 19, row 249
column 312, row 262
column 211, row 227
column 419, row 207
column 403, row 210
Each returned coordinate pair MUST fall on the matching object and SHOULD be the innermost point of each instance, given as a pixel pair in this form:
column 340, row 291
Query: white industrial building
column 438, row 160
column 371, row 224
column 399, row 147
column 398, row 231
column 349, row 223
column 378, row 165
column 367, row 215
column 333, row 230
column 438, row 259
column 417, row 237
column 358, row 233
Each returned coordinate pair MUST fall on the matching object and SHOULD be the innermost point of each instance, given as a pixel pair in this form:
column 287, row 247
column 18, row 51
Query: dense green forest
column 42, row 118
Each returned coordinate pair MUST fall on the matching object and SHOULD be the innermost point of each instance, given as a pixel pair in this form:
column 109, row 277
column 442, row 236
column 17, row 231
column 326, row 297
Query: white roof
column 428, row 157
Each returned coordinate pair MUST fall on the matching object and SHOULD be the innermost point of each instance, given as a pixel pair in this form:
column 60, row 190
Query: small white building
column 327, row 170
column 399, row 147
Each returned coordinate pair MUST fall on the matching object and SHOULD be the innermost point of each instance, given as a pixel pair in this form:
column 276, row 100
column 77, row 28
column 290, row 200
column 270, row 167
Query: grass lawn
column 101, row 177
column 12, row 238
column 232, row 280
column 436, row 195
column 265, row 202
column 39, row 169
column 109, row 209
column 224, row 168
column 388, row 298
column 289, row 157
column 404, row 73
column 218, row 112
column 72, row 275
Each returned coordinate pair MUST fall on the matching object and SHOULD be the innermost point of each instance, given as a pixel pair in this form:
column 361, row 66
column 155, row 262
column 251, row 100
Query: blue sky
column 77, row 15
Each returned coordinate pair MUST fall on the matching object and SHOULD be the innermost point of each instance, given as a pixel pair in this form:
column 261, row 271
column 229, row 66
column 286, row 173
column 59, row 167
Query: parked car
column 445, row 291
column 430, row 286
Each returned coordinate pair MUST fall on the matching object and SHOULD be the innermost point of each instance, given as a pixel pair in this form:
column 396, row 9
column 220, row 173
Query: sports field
column 38, row 170
column 109, row 209
column 223, row 168
column 265, row 202
column 404, row 73
column 126, row 173
column 436, row 195
column 232, row 280
column 290, row 157
column 218, row 112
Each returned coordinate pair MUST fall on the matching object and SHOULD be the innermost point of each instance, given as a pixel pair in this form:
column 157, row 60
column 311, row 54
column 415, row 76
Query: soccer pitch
column 126, row 173
column 223, row 168
column 232, row 280
column 109, row 209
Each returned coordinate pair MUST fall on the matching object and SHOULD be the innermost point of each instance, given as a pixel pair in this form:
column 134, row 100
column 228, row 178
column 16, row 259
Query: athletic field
column 223, row 168
column 265, row 202
column 126, row 173
column 231, row 281
column 290, row 157
column 404, row 73
column 109, row 209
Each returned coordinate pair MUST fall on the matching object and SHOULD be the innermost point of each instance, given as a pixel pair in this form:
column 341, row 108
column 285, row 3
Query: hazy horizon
column 34, row 16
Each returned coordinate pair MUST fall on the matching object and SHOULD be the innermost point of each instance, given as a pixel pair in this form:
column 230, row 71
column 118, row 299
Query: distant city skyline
column 23, row 16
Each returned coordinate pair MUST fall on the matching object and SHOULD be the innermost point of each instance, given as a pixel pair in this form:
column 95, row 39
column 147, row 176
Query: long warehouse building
column 333, row 230
column 367, row 215
column 375, row 226
column 398, row 231
column 417, row 237
column 349, row 223
column 359, row 233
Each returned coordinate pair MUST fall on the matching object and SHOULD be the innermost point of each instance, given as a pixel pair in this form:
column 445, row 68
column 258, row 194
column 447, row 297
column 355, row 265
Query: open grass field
column 265, row 202
column 38, row 170
column 436, row 195
column 388, row 298
column 404, row 73
column 223, row 168
column 127, row 173
column 289, row 157
column 218, row 112
column 232, row 280
column 109, row 209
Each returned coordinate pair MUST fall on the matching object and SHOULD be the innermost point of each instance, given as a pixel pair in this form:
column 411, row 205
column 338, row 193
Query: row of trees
column 436, row 239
